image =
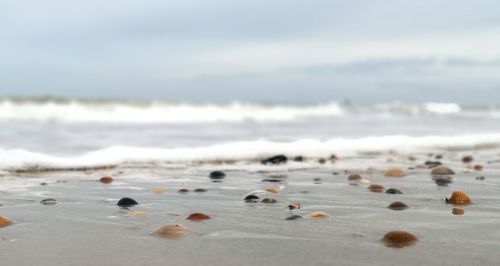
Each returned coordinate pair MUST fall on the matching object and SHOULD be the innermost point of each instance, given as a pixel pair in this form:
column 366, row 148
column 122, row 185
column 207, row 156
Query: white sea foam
column 156, row 112
column 247, row 150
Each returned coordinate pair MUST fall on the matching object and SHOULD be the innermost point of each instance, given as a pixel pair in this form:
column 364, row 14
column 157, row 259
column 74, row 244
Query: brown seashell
column 399, row 239
column 5, row 222
column 172, row 231
column 272, row 190
column 478, row 167
column 467, row 159
column 457, row 211
column 394, row 172
column 294, row 206
column 183, row 190
column 106, row 180
column 397, row 206
column 412, row 158
column 354, row 177
column 376, row 188
column 442, row 170
column 458, row 198
column 158, row 190
column 198, row 217
column 317, row 215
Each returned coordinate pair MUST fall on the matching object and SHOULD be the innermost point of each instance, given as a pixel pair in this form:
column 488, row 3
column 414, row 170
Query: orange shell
column 5, row 222
column 106, row 180
column 317, row 215
column 399, row 239
column 394, row 172
column 272, row 190
column 458, row 198
column 376, row 188
column 172, row 231
column 198, row 217
column 158, row 190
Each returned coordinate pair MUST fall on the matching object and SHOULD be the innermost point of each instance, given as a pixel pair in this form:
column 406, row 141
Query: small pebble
column 442, row 170
column 293, row 217
column 251, row 198
column 269, row 200
column 272, row 190
column 333, row 158
column 43, row 184
column 393, row 191
column 478, row 167
column 294, row 206
column 298, row 158
column 442, row 181
column 48, row 201
column 126, row 202
column 183, row 190
column 467, row 159
column 480, row 178
column 200, row 190
column 354, row 177
column 217, row 175
column 317, row 180
column 278, row 159
column 321, row 161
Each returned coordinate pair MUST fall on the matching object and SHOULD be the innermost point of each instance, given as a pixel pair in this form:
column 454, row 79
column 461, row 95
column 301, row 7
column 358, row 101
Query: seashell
column 457, row 211
column 106, row 180
column 397, row 206
column 294, row 206
column 354, row 177
column 467, row 159
column 4, row 221
column 376, row 188
column 399, row 239
column 172, row 231
column 272, row 190
column 137, row 214
column 158, row 190
column 394, row 172
column 198, row 217
column 412, row 158
column 458, row 198
column 478, row 167
column 183, row 190
column 317, row 215
column 442, row 170
column 364, row 181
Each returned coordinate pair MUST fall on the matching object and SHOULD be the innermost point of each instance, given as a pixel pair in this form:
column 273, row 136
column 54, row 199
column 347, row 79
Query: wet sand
column 86, row 227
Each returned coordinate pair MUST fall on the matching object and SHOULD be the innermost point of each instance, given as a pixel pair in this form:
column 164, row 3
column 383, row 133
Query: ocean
column 71, row 132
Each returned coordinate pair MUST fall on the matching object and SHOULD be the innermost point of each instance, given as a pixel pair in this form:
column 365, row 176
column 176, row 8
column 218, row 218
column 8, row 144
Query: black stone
column 293, row 217
column 251, row 198
column 126, row 202
column 317, row 180
column 321, row 161
column 48, row 201
column 269, row 200
column 43, row 184
column 200, row 190
column 278, row 159
column 442, row 181
column 298, row 158
column 217, row 175
column 480, row 178
column 393, row 191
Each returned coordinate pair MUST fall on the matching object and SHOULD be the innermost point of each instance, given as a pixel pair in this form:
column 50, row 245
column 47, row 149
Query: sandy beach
column 86, row 227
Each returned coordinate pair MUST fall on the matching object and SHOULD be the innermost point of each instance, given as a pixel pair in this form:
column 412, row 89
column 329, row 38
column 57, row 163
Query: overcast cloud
column 260, row 50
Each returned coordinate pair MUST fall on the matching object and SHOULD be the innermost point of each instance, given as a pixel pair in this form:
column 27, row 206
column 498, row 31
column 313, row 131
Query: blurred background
column 82, row 76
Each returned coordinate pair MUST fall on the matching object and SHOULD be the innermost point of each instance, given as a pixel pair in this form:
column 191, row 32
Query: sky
column 260, row 50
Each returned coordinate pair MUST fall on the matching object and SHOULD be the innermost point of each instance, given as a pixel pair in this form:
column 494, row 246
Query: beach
column 86, row 227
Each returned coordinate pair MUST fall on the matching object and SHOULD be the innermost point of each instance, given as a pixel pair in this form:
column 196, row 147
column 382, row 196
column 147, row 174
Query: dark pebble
column 298, row 158
column 278, row 159
column 269, row 200
column 393, row 191
column 431, row 164
column 321, row 161
column 467, row 159
column 293, row 217
column 200, row 190
column 333, row 158
column 317, row 180
column 442, row 181
column 439, row 157
column 43, row 184
column 480, row 178
column 251, row 198
column 126, row 202
column 217, row 175
column 48, row 201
